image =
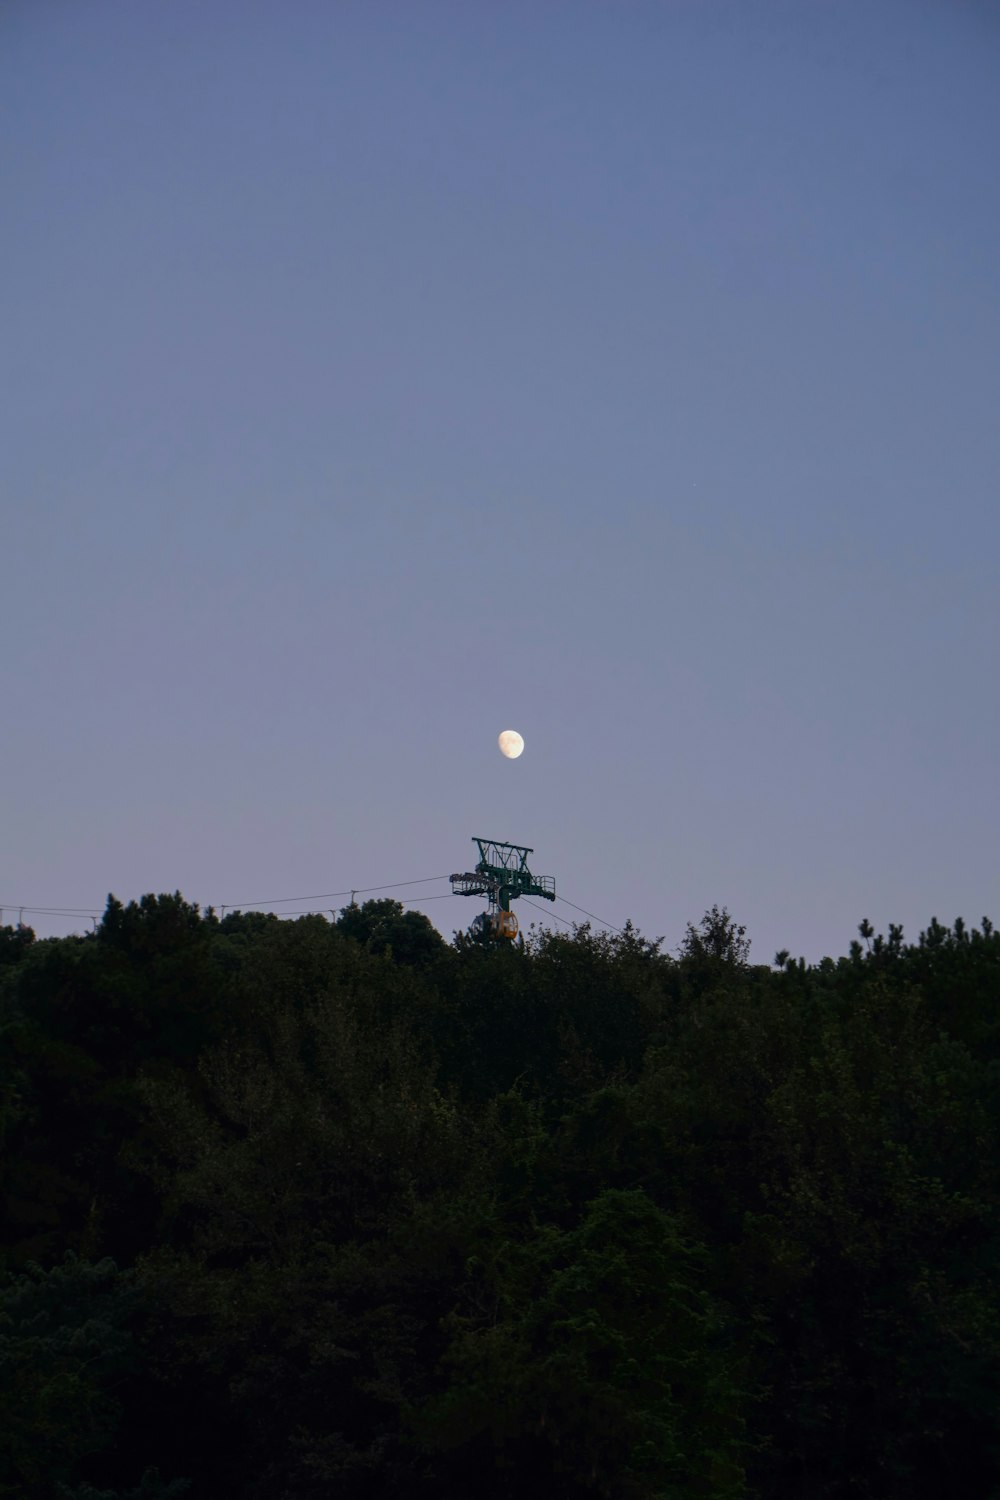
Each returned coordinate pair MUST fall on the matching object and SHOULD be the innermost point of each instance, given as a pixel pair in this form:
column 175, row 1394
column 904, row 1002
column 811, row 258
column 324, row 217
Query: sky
column 375, row 377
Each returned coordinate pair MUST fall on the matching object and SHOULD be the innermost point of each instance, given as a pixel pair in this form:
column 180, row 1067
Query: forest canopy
column 296, row 1209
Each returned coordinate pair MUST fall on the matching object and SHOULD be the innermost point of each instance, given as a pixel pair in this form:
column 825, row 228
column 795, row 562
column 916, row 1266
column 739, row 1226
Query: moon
column 511, row 744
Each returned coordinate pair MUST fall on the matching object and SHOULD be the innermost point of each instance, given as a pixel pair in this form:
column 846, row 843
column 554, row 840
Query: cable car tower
column 501, row 875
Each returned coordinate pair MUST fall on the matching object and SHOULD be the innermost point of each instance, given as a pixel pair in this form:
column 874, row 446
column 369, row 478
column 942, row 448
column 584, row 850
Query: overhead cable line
column 318, row 911
column 590, row 914
column 281, row 900
column 90, row 912
column 360, row 890
column 391, row 886
column 51, row 911
column 565, row 920
column 29, row 906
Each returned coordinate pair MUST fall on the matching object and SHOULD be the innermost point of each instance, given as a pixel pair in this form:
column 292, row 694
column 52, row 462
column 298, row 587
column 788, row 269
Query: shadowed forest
column 314, row 1209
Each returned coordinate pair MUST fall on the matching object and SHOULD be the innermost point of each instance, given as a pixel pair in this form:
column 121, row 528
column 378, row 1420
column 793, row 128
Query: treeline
column 305, row 1209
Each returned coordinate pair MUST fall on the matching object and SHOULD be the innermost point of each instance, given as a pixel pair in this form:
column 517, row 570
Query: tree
column 386, row 927
column 67, row 1350
column 717, row 939
column 593, row 1359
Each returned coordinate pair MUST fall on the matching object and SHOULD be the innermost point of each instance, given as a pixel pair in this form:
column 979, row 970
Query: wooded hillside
column 304, row 1209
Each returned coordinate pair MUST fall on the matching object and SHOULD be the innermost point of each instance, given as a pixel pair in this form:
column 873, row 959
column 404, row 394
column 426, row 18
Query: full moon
column 511, row 744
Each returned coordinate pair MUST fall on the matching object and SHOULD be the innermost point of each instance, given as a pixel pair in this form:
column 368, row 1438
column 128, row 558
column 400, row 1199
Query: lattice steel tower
column 501, row 875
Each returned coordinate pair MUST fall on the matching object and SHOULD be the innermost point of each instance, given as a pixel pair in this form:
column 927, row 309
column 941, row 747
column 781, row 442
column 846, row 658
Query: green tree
column 593, row 1359
column 386, row 927
column 290, row 1167
column 67, row 1351
column 718, row 939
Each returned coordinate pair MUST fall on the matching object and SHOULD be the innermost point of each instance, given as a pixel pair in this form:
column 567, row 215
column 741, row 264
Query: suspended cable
column 308, row 911
column 359, row 890
column 280, row 901
column 565, row 920
column 90, row 912
column 51, row 911
column 319, row 911
column 393, row 884
column 590, row 914
column 390, row 885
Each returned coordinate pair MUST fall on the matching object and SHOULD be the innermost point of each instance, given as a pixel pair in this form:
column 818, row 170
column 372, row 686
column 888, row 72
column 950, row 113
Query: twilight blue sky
column 377, row 376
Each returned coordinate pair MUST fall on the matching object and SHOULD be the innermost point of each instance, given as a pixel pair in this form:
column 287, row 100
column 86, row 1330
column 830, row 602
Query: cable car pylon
column 501, row 876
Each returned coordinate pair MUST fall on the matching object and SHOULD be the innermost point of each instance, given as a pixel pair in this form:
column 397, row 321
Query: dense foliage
column 305, row 1209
